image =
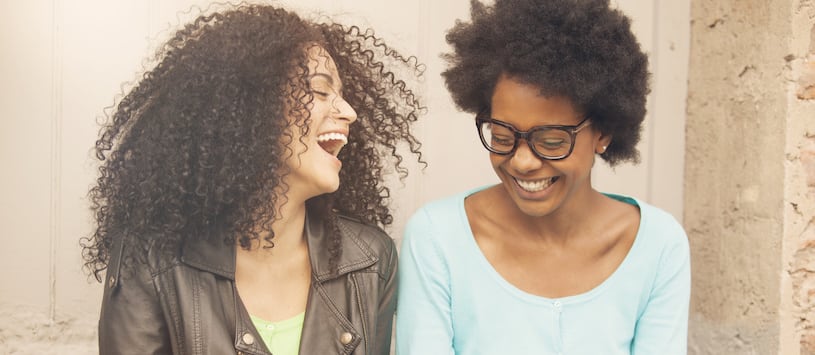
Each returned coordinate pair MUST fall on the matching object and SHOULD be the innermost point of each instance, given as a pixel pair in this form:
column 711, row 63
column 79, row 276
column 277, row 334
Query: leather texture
column 188, row 304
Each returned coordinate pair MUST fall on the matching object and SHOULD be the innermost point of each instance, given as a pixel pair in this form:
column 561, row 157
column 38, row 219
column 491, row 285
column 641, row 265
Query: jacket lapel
column 355, row 254
column 214, row 256
column 211, row 255
column 325, row 325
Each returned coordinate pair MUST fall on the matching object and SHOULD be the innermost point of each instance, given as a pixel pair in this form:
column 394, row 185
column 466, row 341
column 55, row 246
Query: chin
column 536, row 212
column 330, row 187
column 534, row 208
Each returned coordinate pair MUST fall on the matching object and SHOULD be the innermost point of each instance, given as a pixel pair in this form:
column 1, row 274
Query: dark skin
column 554, row 236
column 551, row 267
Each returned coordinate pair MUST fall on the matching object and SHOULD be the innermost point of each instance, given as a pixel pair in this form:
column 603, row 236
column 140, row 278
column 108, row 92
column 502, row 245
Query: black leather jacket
column 189, row 305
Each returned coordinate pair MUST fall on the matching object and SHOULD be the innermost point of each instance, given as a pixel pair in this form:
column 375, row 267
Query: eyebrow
column 546, row 126
column 328, row 78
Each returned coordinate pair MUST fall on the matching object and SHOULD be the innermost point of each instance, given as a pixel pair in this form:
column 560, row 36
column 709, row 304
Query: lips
column 332, row 142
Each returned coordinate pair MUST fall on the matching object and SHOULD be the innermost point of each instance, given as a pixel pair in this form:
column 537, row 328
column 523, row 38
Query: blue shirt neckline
column 536, row 299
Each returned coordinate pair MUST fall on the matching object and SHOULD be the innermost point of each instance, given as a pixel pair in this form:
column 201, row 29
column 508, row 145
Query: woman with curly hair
column 543, row 263
column 241, row 193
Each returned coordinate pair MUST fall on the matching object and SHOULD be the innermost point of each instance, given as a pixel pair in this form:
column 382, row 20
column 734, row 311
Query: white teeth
column 534, row 186
column 332, row 136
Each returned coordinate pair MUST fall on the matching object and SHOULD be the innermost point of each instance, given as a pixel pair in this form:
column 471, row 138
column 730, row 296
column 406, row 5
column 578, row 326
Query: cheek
column 497, row 161
column 319, row 106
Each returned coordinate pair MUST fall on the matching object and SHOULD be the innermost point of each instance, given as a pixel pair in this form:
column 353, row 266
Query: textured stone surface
column 800, row 192
column 751, row 214
column 802, row 266
column 806, row 83
column 806, row 79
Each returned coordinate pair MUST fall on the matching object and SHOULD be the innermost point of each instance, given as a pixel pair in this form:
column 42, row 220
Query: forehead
column 320, row 62
column 523, row 105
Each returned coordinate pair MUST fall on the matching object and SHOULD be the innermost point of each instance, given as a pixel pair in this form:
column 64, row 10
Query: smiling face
column 540, row 187
column 314, row 164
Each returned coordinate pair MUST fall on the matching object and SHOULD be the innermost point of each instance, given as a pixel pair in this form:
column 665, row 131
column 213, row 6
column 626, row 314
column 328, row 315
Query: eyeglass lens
column 549, row 142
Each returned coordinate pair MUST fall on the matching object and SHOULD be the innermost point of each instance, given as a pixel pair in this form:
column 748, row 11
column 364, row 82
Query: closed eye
column 322, row 85
column 551, row 143
column 502, row 140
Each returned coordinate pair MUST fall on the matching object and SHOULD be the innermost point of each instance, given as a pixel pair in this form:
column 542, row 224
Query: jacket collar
column 215, row 256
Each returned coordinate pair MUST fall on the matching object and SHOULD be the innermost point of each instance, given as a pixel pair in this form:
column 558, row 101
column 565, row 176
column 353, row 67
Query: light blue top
column 452, row 301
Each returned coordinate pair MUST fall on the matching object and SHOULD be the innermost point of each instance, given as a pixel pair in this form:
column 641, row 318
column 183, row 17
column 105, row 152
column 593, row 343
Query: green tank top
column 283, row 337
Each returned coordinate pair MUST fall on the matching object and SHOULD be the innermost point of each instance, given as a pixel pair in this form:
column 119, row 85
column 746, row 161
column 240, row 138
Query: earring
column 603, row 150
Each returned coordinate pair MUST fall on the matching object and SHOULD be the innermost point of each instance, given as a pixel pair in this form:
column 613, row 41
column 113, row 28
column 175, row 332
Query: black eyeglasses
column 553, row 142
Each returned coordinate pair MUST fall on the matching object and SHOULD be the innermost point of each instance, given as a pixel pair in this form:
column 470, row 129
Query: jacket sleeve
column 387, row 305
column 131, row 320
column 424, row 322
column 663, row 326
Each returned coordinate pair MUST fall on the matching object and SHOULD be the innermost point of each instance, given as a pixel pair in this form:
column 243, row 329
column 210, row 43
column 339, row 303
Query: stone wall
column 749, row 202
column 800, row 193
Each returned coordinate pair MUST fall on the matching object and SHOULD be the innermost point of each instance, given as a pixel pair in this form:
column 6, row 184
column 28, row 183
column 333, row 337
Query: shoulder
column 659, row 233
column 655, row 223
column 371, row 236
column 150, row 254
column 661, row 223
column 662, row 237
column 131, row 263
column 437, row 213
column 438, row 228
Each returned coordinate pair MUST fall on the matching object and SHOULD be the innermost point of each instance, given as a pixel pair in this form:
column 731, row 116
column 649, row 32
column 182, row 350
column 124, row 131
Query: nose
column 344, row 111
column 524, row 159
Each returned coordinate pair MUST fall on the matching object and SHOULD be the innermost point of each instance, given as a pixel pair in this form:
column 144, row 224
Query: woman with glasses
column 543, row 263
column 241, row 193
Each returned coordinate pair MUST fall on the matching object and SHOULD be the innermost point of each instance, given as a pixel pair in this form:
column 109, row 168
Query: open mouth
column 332, row 142
column 536, row 185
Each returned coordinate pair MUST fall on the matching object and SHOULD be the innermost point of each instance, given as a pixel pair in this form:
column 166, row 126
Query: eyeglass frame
column 517, row 135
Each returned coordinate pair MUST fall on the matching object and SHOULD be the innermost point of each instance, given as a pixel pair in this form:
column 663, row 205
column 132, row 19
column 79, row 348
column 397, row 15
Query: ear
column 602, row 142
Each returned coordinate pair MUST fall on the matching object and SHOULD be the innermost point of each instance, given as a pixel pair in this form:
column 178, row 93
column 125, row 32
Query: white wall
column 62, row 63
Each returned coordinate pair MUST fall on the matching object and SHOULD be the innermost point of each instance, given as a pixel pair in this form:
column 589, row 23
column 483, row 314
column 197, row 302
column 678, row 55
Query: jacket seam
column 196, row 314
column 385, row 274
column 158, row 269
column 175, row 317
column 363, row 314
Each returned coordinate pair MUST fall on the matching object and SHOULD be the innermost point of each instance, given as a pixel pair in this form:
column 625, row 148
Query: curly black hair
column 197, row 148
column 580, row 49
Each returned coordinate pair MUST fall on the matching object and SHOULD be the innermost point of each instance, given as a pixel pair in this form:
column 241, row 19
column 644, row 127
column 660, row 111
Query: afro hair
column 581, row 49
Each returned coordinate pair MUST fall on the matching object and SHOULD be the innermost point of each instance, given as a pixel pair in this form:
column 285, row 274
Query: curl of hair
column 197, row 148
column 580, row 49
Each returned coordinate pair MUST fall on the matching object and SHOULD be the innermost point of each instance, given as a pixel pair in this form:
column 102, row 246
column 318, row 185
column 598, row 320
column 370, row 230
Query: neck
column 289, row 236
column 564, row 223
column 290, row 225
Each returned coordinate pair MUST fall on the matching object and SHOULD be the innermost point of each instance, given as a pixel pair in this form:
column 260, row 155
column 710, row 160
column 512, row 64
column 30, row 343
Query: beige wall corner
column 749, row 201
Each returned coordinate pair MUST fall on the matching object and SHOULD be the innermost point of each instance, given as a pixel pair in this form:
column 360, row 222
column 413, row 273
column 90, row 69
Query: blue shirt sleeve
column 663, row 326
column 423, row 316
